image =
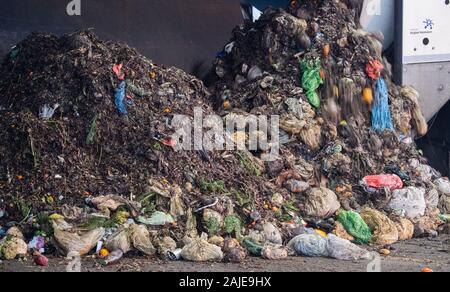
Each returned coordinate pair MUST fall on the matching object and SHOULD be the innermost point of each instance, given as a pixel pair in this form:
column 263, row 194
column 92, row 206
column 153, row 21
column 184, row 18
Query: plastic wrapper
column 69, row 242
column 342, row 249
column 384, row 229
column 272, row 234
column 410, row 201
column 273, row 252
column 355, row 226
column 390, row 181
column 199, row 250
column 321, row 202
column 311, row 245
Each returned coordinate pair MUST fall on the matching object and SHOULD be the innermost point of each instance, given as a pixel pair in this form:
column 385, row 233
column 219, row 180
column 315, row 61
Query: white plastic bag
column 342, row 249
column 443, row 186
column 272, row 234
column 411, row 201
column 310, row 245
column 46, row 112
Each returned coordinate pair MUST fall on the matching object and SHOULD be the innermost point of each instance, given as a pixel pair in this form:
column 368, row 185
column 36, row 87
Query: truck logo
column 429, row 24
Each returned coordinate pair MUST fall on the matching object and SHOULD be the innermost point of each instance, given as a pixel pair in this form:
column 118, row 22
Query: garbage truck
column 189, row 33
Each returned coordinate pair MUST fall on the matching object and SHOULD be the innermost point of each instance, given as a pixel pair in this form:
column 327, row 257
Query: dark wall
column 436, row 144
column 170, row 32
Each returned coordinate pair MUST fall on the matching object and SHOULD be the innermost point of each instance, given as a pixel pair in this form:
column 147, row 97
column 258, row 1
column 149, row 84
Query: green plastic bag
column 311, row 80
column 355, row 226
column 233, row 225
column 253, row 248
column 14, row 53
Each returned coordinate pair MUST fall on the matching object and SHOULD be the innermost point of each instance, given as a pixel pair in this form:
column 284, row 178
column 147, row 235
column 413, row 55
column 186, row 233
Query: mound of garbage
column 343, row 120
column 82, row 119
column 88, row 161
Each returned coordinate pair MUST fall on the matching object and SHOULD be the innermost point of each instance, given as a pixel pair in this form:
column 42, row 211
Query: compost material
column 86, row 131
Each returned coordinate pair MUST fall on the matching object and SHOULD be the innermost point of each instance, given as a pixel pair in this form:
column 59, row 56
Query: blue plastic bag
column 381, row 113
column 119, row 97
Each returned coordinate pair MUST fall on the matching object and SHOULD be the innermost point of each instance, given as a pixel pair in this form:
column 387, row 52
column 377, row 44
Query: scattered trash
column 103, row 253
column 427, row 270
column 169, row 142
column 174, row 255
column 37, row 244
column 139, row 91
column 384, row 252
column 47, row 112
column 40, row 260
column 13, row 244
column 113, row 257
column 355, row 226
column 229, row 47
column 443, row 186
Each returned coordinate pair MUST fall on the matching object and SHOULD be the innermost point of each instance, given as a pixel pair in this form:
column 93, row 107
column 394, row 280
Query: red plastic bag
column 169, row 142
column 391, row 181
column 117, row 69
column 374, row 69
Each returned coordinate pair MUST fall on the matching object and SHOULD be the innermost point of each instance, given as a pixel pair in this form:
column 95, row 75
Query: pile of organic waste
column 89, row 163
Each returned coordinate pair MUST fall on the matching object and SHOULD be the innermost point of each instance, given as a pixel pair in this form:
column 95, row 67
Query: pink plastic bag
column 117, row 69
column 390, row 181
